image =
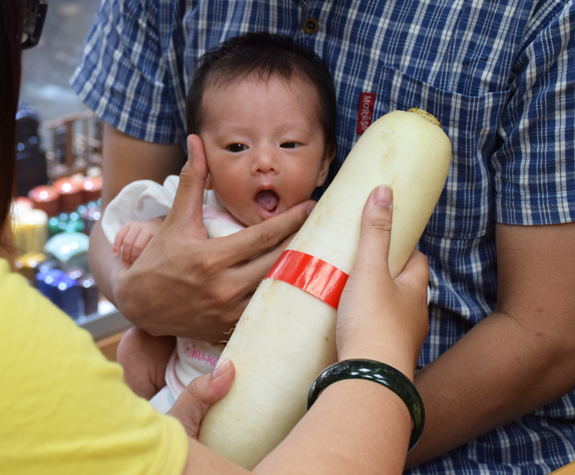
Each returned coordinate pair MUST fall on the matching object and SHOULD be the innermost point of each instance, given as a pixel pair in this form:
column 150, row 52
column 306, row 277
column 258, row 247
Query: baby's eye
column 289, row 145
column 236, row 147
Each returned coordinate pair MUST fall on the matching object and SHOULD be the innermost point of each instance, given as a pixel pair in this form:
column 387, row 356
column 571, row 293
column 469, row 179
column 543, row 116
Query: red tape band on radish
column 310, row 274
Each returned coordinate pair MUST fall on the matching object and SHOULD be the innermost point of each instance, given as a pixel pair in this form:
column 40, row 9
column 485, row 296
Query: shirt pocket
column 466, row 207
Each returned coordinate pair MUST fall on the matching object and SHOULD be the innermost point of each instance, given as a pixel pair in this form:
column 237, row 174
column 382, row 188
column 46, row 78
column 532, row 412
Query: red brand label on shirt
column 365, row 111
column 310, row 274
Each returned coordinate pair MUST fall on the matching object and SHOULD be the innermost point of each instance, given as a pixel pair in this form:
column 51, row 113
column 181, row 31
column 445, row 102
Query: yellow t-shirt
column 64, row 409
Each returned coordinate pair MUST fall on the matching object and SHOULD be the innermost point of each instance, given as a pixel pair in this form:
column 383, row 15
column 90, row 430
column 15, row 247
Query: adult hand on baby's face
column 186, row 285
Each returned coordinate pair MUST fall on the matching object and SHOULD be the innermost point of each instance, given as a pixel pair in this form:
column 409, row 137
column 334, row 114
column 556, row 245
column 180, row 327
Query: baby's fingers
column 128, row 245
column 139, row 245
column 122, row 233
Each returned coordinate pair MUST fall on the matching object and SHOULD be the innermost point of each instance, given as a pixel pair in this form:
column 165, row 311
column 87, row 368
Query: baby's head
column 265, row 110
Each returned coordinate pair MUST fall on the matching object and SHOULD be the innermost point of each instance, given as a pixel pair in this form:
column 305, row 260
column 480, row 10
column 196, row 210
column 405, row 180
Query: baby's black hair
column 266, row 55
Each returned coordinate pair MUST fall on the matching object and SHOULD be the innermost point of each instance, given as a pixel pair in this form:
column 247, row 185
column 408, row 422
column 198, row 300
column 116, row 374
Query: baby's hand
column 133, row 237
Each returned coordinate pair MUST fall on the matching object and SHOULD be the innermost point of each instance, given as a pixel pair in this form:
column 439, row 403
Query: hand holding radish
column 381, row 317
column 192, row 405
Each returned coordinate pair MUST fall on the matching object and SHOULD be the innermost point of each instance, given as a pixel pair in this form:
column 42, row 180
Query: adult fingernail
column 383, row 195
column 310, row 208
column 221, row 369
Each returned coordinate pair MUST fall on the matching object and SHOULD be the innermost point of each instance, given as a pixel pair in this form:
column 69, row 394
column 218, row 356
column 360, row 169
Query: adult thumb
column 192, row 405
column 375, row 234
column 189, row 199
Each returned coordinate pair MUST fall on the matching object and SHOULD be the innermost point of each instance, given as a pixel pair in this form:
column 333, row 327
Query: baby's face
column 264, row 145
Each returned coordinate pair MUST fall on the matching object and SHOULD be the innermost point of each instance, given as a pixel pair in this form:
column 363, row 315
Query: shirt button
column 310, row 26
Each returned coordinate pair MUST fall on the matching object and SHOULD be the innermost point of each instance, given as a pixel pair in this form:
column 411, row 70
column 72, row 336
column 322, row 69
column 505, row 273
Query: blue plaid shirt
column 499, row 75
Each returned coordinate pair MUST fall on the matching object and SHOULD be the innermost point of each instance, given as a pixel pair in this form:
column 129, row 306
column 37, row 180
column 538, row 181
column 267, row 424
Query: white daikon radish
column 286, row 336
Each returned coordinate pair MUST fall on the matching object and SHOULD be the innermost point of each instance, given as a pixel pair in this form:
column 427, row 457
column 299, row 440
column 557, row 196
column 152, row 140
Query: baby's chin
column 267, row 214
column 253, row 218
column 256, row 215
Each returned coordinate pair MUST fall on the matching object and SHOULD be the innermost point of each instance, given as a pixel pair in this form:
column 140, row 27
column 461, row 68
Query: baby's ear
column 209, row 185
column 326, row 160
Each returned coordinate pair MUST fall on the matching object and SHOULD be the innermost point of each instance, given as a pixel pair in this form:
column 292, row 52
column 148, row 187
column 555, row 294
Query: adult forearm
column 338, row 437
column 501, row 370
column 334, row 437
column 517, row 359
column 354, row 427
column 103, row 265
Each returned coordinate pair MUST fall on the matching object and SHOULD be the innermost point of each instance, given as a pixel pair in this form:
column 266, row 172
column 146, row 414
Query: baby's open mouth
column 267, row 200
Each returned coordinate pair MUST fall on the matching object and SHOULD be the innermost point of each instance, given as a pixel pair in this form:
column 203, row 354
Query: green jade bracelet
column 380, row 373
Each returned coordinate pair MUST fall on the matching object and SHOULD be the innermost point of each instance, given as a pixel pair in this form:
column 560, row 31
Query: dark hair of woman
column 11, row 13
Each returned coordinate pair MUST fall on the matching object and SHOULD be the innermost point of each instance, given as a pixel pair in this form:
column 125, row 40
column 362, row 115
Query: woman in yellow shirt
column 64, row 409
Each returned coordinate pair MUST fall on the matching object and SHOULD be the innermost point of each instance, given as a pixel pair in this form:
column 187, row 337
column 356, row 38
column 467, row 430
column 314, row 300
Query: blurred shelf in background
column 60, row 144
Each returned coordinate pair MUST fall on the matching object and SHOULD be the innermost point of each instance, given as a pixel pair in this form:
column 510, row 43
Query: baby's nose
column 265, row 161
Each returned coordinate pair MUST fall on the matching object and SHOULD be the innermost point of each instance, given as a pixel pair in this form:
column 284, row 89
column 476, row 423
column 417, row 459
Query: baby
column 265, row 110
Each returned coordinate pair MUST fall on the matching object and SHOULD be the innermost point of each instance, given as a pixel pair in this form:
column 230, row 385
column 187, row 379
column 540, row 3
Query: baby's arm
column 133, row 237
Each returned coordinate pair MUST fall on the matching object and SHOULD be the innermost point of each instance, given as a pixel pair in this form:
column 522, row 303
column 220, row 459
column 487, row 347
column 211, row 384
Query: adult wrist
column 379, row 373
column 377, row 352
